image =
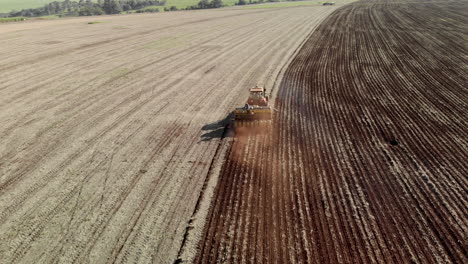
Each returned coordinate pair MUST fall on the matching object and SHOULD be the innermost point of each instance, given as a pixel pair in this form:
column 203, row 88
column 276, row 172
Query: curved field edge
column 194, row 231
column 365, row 161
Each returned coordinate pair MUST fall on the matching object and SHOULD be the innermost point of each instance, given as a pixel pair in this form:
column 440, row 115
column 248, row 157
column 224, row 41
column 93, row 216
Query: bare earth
column 366, row 160
column 108, row 131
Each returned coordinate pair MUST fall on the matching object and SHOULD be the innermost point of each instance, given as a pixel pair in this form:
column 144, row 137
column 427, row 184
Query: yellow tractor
column 256, row 111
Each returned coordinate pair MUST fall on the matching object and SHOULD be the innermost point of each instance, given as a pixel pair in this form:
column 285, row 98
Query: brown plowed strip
column 366, row 159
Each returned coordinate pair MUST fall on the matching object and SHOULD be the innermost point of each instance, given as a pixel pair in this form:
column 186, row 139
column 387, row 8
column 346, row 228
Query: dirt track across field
column 366, row 158
column 108, row 130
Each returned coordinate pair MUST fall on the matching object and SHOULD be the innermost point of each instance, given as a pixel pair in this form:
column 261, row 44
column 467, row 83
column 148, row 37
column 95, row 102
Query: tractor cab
column 258, row 96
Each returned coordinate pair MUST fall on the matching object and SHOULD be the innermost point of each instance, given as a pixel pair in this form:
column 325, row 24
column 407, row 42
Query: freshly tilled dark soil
column 366, row 159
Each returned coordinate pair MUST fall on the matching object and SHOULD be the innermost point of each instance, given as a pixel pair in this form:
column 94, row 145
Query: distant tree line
column 86, row 8
column 206, row 4
column 101, row 7
column 252, row 2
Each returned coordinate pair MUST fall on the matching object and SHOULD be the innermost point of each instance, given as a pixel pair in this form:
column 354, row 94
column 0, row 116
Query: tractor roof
column 256, row 89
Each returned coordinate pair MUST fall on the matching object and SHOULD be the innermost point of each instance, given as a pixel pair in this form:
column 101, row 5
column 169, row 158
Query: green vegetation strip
column 11, row 19
column 9, row 5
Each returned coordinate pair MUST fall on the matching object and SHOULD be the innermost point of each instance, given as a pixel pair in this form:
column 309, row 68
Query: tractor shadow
column 218, row 129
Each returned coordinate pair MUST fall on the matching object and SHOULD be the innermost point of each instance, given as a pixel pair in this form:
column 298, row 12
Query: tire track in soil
column 366, row 157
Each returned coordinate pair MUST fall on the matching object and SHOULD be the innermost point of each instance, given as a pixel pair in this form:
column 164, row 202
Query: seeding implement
column 256, row 111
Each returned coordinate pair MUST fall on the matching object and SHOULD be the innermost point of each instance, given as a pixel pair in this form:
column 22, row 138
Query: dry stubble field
column 108, row 130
